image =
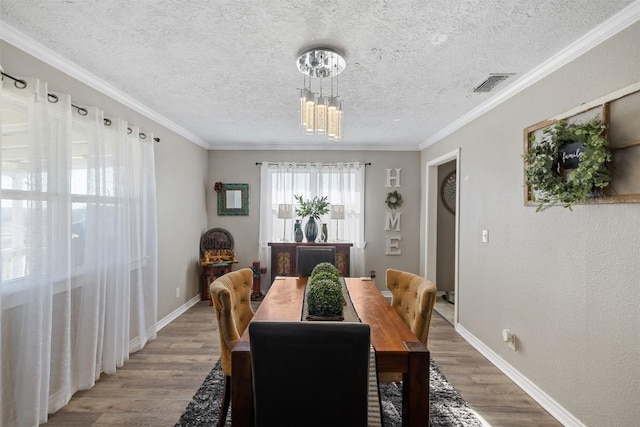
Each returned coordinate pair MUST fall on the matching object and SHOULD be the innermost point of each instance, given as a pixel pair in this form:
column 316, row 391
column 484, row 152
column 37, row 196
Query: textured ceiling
column 224, row 70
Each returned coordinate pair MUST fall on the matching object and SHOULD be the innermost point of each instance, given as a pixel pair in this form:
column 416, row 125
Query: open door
column 441, row 229
column 446, row 233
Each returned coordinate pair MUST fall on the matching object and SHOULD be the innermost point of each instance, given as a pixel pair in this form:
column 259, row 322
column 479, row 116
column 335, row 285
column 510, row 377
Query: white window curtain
column 79, row 251
column 342, row 183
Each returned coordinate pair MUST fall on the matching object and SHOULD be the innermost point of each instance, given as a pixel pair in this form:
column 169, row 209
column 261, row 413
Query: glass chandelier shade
column 320, row 114
column 334, row 119
column 307, row 110
column 303, row 103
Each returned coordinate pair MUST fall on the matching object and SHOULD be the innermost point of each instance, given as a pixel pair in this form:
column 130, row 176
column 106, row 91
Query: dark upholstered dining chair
column 310, row 373
column 231, row 297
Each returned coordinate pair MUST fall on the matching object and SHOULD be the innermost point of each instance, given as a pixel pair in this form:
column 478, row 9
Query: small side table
column 211, row 272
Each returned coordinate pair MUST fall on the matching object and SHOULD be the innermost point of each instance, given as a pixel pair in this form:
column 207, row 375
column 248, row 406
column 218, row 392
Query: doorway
column 445, row 240
column 441, row 230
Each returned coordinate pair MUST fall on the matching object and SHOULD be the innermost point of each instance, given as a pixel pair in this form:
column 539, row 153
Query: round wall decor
column 216, row 239
column 546, row 164
column 448, row 192
column 394, row 200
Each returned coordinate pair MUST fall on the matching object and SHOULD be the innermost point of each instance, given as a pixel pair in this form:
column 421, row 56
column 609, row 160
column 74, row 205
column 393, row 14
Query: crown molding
column 44, row 54
column 609, row 28
column 309, row 146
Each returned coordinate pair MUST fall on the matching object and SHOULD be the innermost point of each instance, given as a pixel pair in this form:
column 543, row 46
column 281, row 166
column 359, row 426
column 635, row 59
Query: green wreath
column 542, row 166
column 394, row 200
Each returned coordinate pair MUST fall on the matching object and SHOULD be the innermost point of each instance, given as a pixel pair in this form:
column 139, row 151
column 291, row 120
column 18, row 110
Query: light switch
column 485, row 236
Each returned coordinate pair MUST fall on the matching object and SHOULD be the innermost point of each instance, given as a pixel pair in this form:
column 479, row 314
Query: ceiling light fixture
column 320, row 114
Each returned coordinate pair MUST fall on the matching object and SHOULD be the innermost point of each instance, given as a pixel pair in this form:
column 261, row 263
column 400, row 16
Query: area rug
column 447, row 408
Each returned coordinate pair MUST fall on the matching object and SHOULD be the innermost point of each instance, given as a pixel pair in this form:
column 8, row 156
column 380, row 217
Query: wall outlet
column 372, row 274
column 509, row 338
column 177, row 293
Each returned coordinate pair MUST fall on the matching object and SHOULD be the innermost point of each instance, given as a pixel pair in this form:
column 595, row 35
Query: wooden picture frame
column 618, row 112
column 233, row 199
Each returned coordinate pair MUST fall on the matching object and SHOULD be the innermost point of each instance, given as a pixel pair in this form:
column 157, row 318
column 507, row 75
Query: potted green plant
column 551, row 184
column 313, row 209
column 325, row 299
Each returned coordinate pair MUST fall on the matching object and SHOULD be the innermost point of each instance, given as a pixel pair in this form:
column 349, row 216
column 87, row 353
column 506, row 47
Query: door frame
column 431, row 220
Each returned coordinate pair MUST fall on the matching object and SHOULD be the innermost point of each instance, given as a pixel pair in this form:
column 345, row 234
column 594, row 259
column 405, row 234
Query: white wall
column 566, row 283
column 181, row 170
column 240, row 167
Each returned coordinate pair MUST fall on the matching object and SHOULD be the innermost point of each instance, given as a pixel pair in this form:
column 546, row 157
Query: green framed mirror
column 233, row 199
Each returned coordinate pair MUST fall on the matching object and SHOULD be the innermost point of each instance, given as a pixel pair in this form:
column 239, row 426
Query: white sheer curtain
column 343, row 184
column 79, row 251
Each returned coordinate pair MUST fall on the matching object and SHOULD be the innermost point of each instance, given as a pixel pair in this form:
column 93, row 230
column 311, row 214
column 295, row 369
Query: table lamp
column 337, row 213
column 285, row 212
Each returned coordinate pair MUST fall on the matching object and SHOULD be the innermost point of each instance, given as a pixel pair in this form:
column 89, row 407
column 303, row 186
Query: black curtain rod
column 21, row 84
column 300, row 163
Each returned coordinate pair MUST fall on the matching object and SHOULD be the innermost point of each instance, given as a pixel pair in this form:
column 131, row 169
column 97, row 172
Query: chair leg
column 226, row 398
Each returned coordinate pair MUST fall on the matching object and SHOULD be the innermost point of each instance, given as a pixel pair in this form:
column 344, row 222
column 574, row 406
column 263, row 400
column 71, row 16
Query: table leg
column 241, row 386
column 415, row 387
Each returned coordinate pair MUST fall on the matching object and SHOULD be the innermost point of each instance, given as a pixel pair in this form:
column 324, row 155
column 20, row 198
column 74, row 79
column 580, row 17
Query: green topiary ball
column 325, row 275
column 325, row 267
column 324, row 298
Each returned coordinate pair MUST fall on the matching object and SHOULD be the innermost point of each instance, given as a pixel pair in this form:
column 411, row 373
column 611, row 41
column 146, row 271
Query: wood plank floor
column 157, row 383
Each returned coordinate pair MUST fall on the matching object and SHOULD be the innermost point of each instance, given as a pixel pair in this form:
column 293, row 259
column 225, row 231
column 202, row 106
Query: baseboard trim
column 177, row 312
column 529, row 387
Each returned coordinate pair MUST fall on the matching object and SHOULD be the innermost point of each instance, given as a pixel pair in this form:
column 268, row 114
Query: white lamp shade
column 337, row 211
column 285, row 211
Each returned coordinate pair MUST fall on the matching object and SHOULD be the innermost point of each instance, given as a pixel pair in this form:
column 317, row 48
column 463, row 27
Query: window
column 79, row 248
column 341, row 183
column 52, row 180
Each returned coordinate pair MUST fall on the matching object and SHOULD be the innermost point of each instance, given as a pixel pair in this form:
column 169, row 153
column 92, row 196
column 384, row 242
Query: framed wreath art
column 569, row 165
column 393, row 200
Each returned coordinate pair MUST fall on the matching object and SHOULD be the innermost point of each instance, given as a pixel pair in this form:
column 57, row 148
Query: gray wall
column 181, row 170
column 240, row 167
column 566, row 283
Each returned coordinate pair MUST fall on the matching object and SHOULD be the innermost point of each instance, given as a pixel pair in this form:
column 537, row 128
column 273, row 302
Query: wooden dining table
column 396, row 348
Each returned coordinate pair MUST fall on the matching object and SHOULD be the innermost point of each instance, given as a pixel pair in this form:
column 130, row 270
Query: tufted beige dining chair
column 413, row 298
column 231, row 297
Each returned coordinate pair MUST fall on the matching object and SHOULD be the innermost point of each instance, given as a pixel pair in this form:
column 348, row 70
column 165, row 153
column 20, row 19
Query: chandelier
column 320, row 114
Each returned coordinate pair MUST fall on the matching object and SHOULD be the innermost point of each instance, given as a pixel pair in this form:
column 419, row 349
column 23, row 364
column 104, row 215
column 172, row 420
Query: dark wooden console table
column 209, row 273
column 283, row 257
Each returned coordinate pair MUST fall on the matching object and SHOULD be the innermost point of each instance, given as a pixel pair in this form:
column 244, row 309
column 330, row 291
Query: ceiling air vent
column 491, row 82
